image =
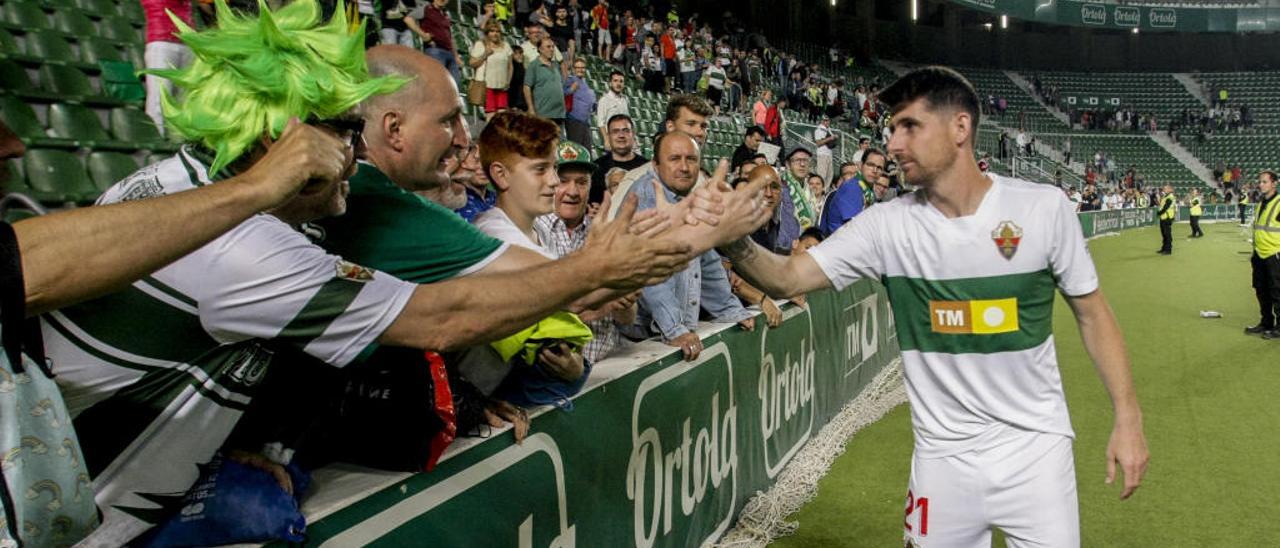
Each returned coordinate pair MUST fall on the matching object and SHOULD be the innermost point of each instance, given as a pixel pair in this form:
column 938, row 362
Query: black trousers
column 1242, row 208
column 1266, row 287
column 1195, row 226
column 1166, row 235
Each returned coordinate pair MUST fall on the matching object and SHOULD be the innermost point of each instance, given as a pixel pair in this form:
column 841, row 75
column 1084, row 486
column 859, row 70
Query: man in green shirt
column 544, row 84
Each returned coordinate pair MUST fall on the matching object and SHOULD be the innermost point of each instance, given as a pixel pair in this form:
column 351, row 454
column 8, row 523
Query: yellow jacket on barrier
column 562, row 326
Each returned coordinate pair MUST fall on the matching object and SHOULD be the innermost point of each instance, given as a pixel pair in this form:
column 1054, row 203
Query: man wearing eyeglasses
column 854, row 195
column 622, row 154
column 577, row 123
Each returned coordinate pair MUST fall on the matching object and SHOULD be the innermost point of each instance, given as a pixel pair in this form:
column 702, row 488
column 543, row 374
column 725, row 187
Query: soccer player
column 970, row 263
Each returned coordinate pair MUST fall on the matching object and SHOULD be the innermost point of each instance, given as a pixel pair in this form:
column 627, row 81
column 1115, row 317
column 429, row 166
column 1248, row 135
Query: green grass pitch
column 1209, row 394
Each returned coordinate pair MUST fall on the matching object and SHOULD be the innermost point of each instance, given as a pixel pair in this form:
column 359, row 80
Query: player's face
column 924, row 141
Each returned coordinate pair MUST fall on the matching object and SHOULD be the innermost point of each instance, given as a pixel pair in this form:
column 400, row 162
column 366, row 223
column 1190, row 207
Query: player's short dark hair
column 754, row 130
column 694, row 103
column 940, row 87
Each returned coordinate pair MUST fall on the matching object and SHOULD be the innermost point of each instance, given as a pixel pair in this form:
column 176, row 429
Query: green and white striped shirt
column 158, row 374
column 972, row 301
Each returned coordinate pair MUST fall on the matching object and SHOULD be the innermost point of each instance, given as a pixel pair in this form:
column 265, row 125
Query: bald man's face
column 418, row 132
column 772, row 185
column 677, row 163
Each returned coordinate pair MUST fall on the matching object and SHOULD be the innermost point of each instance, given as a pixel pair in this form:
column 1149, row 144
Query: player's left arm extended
column 1105, row 344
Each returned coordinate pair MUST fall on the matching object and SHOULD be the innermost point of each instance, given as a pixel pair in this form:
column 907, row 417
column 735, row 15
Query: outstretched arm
column 1105, row 344
column 776, row 275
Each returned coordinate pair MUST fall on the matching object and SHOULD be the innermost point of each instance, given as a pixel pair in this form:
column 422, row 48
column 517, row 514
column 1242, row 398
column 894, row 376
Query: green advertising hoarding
column 1111, row 15
column 666, row 454
column 1097, row 223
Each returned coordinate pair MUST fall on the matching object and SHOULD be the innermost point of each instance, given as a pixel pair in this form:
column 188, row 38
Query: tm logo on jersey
column 986, row 317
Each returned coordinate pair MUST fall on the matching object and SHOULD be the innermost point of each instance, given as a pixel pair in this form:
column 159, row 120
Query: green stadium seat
column 94, row 49
column 8, row 45
column 66, row 81
column 109, row 168
column 132, row 125
column 74, row 23
column 56, row 5
column 119, row 29
column 132, row 10
column 57, row 176
column 13, row 77
column 25, row 15
column 99, row 7
column 25, row 124
column 17, row 177
column 76, row 122
column 17, row 214
column 49, row 46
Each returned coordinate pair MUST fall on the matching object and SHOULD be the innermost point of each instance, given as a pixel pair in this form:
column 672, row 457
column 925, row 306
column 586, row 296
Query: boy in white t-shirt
column 971, row 263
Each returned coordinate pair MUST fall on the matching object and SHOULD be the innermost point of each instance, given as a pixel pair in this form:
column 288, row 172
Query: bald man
column 779, row 235
column 667, row 309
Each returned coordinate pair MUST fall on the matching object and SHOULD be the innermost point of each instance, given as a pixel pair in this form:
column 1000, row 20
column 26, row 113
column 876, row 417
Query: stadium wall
column 656, row 451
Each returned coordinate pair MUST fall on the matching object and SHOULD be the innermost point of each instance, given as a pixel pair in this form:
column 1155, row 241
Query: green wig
column 252, row 73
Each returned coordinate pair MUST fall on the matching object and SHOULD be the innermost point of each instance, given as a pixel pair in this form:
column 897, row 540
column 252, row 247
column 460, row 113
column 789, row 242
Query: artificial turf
column 1208, row 394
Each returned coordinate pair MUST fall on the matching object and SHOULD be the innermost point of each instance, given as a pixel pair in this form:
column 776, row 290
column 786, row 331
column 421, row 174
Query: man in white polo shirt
column 971, row 264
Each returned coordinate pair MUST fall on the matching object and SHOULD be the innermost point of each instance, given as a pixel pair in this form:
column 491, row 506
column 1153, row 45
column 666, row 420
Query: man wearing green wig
column 157, row 375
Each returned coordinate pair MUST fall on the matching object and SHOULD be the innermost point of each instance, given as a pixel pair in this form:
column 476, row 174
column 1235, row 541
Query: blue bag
column 233, row 503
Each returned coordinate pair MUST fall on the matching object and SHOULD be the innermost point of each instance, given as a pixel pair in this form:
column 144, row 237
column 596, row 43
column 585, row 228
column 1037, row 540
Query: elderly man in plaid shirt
column 565, row 230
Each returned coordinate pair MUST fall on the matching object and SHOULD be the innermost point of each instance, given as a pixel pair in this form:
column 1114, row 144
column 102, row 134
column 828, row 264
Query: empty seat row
column 77, row 126
column 26, row 16
column 57, row 176
column 57, row 83
column 41, row 46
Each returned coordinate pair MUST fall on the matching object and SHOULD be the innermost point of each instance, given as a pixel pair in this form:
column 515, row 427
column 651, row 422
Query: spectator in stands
column 793, row 181
column 848, row 170
column 532, row 45
column 611, row 104
column 651, row 61
column 253, row 284
column 601, row 25
column 747, row 150
column 452, row 194
column 818, row 189
column 1023, row 142
column 779, row 234
column 63, row 258
column 583, row 100
column 480, row 195
column 561, row 28
column 622, row 154
column 395, row 30
column 565, row 230
column 823, row 139
column 716, row 81
column 491, row 60
column 541, row 17
column 515, row 90
column 775, row 124
column 851, row 198
column 163, row 50
column 760, row 110
column 544, row 85
column 670, row 309
column 686, row 114
column 435, row 29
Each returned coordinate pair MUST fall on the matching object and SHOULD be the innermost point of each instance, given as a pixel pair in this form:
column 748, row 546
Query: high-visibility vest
column 1266, row 231
column 1169, row 207
column 1196, row 210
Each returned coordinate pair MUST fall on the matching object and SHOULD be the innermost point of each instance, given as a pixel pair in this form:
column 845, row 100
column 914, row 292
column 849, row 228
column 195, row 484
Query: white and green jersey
column 972, row 299
column 158, row 374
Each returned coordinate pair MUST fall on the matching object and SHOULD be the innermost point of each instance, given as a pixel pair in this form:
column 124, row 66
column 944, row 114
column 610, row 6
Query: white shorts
column 604, row 37
column 1026, row 487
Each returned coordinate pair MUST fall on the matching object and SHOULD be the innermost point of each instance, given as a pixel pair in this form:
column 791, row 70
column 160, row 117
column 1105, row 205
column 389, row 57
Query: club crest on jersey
column 1007, row 236
column 351, row 271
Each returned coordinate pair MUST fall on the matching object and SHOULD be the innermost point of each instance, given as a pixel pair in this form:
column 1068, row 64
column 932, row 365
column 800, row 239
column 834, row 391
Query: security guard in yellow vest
column 1168, row 210
column 1196, row 212
column 1266, row 256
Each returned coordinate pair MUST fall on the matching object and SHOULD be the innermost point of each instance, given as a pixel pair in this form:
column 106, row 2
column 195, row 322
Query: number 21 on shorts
column 919, row 507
